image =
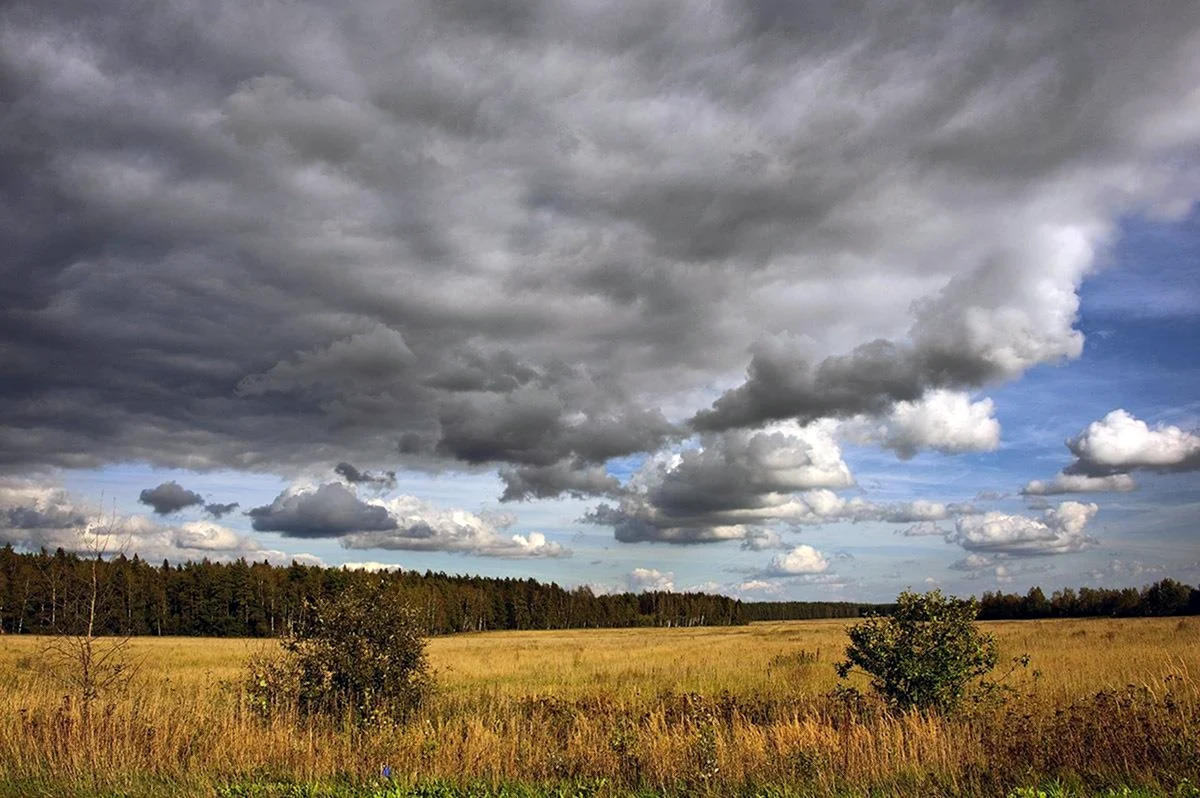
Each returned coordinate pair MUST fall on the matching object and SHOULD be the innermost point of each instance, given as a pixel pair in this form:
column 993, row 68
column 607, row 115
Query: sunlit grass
column 673, row 710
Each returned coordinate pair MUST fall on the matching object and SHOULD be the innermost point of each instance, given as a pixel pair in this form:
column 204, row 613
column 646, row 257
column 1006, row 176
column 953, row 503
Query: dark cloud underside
column 169, row 497
column 543, row 235
column 330, row 511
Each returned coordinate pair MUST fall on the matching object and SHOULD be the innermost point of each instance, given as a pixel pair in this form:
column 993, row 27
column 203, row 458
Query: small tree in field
column 923, row 656
column 87, row 663
column 361, row 657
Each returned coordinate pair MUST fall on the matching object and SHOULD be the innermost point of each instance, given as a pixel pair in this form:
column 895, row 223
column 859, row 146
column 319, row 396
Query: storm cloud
column 735, row 484
column 542, row 237
column 328, row 511
column 218, row 510
column 169, row 497
column 382, row 482
column 729, row 483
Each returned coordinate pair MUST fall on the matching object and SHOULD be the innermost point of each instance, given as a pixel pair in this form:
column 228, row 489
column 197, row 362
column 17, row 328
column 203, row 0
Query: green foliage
column 272, row 684
column 361, row 656
column 925, row 655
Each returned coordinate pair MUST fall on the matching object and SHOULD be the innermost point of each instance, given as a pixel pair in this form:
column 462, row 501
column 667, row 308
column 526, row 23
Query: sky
column 778, row 300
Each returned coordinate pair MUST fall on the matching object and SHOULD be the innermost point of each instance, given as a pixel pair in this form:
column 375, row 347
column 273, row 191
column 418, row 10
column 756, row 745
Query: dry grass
column 678, row 710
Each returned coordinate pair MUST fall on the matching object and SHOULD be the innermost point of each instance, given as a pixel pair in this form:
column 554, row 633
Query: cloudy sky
column 782, row 300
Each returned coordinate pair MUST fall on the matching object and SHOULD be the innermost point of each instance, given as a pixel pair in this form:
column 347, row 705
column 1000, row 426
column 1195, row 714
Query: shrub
column 923, row 656
column 272, row 684
column 361, row 656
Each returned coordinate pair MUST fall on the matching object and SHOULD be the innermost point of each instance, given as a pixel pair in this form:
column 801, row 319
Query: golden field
column 715, row 710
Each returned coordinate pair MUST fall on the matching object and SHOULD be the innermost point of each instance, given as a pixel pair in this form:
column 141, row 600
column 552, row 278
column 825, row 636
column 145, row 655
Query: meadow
column 1105, row 707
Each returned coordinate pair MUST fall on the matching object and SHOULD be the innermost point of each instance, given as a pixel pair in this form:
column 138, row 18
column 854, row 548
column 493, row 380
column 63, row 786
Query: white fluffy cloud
column 34, row 516
column 800, row 561
column 419, row 526
column 1108, row 450
column 371, row 566
column 1059, row 530
column 336, row 511
column 209, row 536
column 1080, row 483
column 766, row 586
column 1002, row 568
column 1119, row 442
column 923, row 529
column 973, row 562
column 1117, row 570
column 944, row 421
column 649, row 580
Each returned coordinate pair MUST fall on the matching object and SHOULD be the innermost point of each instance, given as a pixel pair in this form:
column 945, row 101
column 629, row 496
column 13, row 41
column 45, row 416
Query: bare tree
column 88, row 663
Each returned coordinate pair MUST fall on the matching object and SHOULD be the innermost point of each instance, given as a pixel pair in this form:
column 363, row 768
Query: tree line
column 1165, row 597
column 46, row 593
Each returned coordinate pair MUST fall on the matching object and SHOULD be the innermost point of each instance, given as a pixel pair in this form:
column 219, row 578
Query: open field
column 734, row 710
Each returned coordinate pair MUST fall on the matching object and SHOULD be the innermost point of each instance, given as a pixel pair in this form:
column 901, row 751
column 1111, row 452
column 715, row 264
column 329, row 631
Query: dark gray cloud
column 758, row 539
column 217, row 510
column 782, row 384
column 402, row 523
column 540, row 235
column 27, row 517
column 536, row 427
column 875, row 377
column 638, row 518
column 383, row 481
column 329, row 511
column 737, row 485
column 729, row 484
column 542, row 482
column 34, row 516
column 169, row 497
column 740, row 471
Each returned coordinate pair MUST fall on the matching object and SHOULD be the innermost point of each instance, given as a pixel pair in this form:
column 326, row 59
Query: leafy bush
column 923, row 656
column 272, row 684
column 361, row 656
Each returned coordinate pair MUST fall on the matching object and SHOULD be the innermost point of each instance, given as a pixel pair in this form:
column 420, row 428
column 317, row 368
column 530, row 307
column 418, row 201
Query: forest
column 46, row 592
column 1164, row 597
